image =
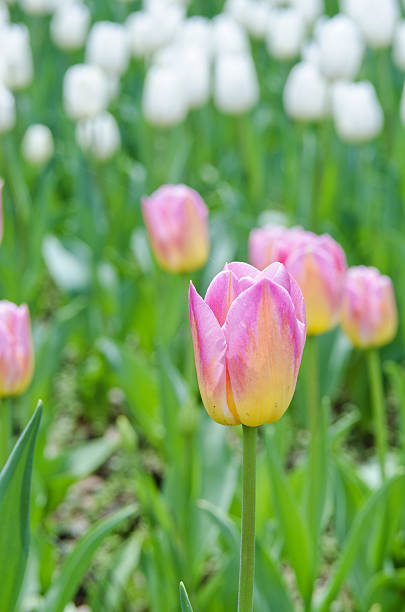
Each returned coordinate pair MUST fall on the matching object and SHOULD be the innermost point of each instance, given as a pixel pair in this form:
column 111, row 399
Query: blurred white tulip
column 341, row 47
column 37, row 145
column 229, row 36
column 85, row 91
column 37, row 7
column 398, row 50
column 286, row 33
column 108, row 47
column 164, row 97
column 197, row 32
column 4, row 15
column 99, row 136
column 253, row 15
column 16, row 57
column 149, row 30
column 357, row 112
column 7, row 109
column 376, row 19
column 236, row 88
column 70, row 24
column 306, row 94
column 309, row 9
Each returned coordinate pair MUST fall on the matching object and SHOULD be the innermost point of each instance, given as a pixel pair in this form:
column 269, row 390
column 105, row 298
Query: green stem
column 247, row 550
column 312, row 386
column 5, row 432
column 377, row 396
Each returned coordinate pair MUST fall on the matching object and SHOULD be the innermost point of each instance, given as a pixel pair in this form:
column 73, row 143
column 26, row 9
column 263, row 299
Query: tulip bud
column 17, row 350
column 197, row 31
column 228, row 35
column 108, row 47
column 248, row 335
column 37, row 7
column 236, row 88
column 286, row 34
column 253, row 15
column 164, row 100
column 376, row 19
column 7, row 109
column 357, row 112
column 37, row 144
column 317, row 263
column 176, row 219
column 85, row 91
column 309, row 9
column 341, row 48
column 15, row 56
column 398, row 50
column 369, row 312
column 69, row 25
column 306, row 93
column 99, row 136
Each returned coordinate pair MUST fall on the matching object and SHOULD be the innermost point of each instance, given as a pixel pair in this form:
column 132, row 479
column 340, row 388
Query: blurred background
column 275, row 112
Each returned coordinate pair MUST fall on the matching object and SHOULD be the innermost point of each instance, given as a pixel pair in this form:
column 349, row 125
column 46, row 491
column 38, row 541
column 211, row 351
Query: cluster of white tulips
column 188, row 60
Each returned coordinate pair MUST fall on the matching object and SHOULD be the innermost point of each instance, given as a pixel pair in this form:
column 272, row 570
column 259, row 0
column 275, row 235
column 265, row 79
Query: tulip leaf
column 15, row 488
column 358, row 537
column 293, row 528
column 77, row 563
column 184, row 600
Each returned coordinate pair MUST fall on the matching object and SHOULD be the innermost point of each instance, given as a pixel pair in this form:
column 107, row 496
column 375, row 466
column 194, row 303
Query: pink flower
column 248, row 334
column 176, row 219
column 16, row 349
column 317, row 263
column 369, row 313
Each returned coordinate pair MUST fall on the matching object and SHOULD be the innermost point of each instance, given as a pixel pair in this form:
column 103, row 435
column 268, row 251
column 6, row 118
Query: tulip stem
column 377, row 396
column 5, row 432
column 247, row 549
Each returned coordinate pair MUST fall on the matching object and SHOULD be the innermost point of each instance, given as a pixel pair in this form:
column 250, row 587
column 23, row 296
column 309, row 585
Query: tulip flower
column 369, row 313
column 17, row 350
column 249, row 335
column 176, row 219
column 317, row 263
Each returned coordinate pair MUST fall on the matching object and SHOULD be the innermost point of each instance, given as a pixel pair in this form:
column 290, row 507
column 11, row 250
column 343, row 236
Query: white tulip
column 253, row 15
column 197, row 32
column 286, row 33
column 85, row 91
column 236, row 88
column 306, row 93
column 37, row 7
column 108, row 47
column 357, row 112
column 69, row 25
column 309, row 9
column 310, row 53
column 164, row 98
column 7, row 109
column 152, row 29
column 4, row 15
column 341, row 47
column 16, row 58
column 376, row 19
column 37, row 145
column 99, row 136
column 228, row 35
column 398, row 50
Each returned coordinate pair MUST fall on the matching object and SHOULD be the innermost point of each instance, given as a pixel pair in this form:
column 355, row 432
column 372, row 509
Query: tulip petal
column 209, row 351
column 264, row 349
column 222, row 291
column 241, row 269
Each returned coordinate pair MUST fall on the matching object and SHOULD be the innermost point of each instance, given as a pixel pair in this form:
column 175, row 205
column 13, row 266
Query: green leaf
column 78, row 562
column 293, row 528
column 184, row 600
column 15, row 492
column 358, row 537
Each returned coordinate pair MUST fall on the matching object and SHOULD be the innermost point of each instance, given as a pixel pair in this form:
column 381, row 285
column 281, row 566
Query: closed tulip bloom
column 108, row 47
column 275, row 243
column 16, row 57
column 286, row 33
column 85, row 91
column 176, row 219
column 341, row 48
column 37, row 145
column 369, row 312
column 306, row 93
column 398, row 50
column 99, row 136
column 7, row 109
column 236, row 88
column 376, row 19
column 70, row 24
column 357, row 112
column 17, row 350
column 248, row 333
column 165, row 100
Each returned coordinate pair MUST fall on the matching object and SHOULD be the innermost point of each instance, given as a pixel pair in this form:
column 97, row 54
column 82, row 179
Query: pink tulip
column 16, row 349
column 176, row 219
column 369, row 313
column 248, row 334
column 317, row 263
